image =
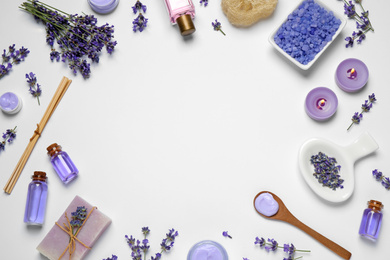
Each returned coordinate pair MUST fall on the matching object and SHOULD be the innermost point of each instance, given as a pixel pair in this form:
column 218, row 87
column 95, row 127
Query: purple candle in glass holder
column 351, row 75
column 321, row 103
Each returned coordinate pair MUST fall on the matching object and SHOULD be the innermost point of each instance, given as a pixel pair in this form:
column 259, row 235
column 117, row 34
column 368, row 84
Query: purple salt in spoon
column 285, row 215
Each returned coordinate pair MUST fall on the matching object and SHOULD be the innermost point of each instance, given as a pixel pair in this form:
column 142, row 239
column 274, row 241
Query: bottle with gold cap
column 34, row 213
column 182, row 12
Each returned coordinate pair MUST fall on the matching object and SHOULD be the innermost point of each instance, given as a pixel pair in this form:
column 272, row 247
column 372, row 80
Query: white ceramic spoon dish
column 346, row 158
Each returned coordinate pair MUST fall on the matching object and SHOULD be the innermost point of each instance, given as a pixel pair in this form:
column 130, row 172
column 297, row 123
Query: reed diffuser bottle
column 371, row 220
column 34, row 213
column 62, row 163
column 181, row 12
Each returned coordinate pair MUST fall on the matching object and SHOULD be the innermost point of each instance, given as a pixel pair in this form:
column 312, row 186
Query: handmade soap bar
column 56, row 241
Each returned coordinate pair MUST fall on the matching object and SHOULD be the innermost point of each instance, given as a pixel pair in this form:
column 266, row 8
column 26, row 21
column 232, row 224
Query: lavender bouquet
column 73, row 38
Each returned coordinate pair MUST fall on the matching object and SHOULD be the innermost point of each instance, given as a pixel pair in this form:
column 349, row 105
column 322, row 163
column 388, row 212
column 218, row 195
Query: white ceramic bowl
column 300, row 65
column 346, row 157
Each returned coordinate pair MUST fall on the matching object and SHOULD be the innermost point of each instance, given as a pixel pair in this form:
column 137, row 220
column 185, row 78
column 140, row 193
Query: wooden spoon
column 285, row 215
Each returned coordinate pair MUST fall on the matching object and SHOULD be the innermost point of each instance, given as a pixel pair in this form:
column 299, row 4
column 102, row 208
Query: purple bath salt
column 306, row 32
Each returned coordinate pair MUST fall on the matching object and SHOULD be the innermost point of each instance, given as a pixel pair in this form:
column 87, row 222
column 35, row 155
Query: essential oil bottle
column 62, row 163
column 371, row 220
column 181, row 12
column 34, row 213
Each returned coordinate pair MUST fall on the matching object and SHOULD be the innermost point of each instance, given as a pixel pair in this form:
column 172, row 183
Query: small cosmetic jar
column 103, row 6
column 207, row 249
column 10, row 103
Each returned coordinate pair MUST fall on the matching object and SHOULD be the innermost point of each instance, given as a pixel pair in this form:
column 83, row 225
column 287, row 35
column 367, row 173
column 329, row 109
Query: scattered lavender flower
column 272, row 245
column 140, row 23
column 205, row 2
column 326, row 171
column 78, row 37
column 365, row 108
column 380, row 177
column 217, row 26
column 139, row 248
column 11, row 57
column 78, row 218
column 363, row 23
column 225, row 234
column 244, row 258
column 8, row 137
column 138, row 7
column 35, row 88
column 114, row 257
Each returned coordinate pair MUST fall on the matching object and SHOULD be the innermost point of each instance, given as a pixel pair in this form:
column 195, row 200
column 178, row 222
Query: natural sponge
column 244, row 13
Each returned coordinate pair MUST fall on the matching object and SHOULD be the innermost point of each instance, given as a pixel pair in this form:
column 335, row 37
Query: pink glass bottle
column 34, row 213
column 181, row 12
column 62, row 163
column 371, row 220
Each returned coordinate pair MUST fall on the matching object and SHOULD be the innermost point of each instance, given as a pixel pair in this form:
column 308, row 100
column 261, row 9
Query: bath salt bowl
column 297, row 63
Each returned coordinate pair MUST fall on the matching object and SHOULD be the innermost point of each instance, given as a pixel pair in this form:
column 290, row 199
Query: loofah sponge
column 244, row 13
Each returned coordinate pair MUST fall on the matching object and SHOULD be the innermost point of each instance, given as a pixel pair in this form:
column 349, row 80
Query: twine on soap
column 72, row 237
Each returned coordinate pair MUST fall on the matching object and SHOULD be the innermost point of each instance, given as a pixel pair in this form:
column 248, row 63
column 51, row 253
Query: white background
column 173, row 132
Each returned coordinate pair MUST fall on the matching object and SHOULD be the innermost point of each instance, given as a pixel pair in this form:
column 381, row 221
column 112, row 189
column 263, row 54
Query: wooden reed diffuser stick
column 64, row 84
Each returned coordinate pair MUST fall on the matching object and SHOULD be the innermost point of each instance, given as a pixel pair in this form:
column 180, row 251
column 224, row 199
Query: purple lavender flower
column 363, row 23
column 386, row 182
column 35, row 88
column 76, row 36
column 349, row 9
column 380, row 177
column 217, row 26
column 11, row 57
column 350, row 41
column 357, row 117
column 273, row 245
column 114, row 257
column 225, row 234
column 205, row 2
column 289, row 249
column 140, row 23
column 139, row 248
column 138, row 7
column 8, row 137
column 326, row 171
column 260, row 241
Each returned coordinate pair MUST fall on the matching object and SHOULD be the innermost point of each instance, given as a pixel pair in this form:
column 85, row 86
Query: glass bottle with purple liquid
column 34, row 213
column 62, row 163
column 371, row 220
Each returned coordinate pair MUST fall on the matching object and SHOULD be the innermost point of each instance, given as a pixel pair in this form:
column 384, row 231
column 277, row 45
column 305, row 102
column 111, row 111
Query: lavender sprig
column 272, row 245
column 140, row 23
column 139, row 248
column 138, row 7
column 217, row 26
column 35, row 88
column 10, row 57
column 357, row 117
column 8, row 137
column 225, row 234
column 363, row 23
column 114, row 257
column 380, row 177
column 204, row 2
column 77, row 37
column 78, row 218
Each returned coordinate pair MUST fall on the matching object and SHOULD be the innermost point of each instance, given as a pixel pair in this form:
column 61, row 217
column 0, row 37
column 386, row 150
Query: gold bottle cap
column 185, row 24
